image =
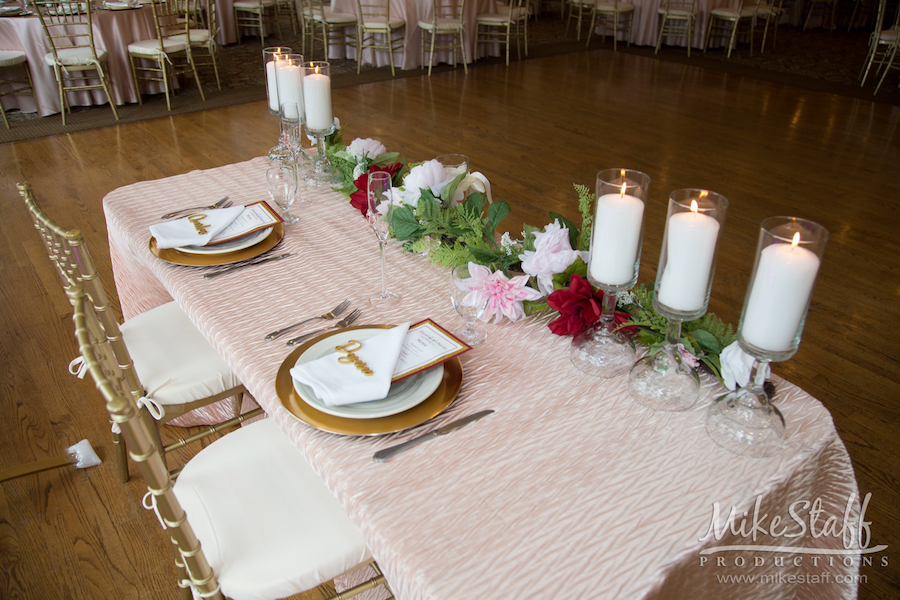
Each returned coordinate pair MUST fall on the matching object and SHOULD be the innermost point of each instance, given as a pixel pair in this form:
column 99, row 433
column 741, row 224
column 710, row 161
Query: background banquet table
column 113, row 31
column 413, row 11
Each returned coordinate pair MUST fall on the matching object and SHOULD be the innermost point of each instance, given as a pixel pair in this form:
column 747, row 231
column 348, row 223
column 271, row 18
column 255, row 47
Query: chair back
column 449, row 12
column 68, row 27
column 679, row 6
column 100, row 360
column 69, row 254
column 169, row 19
column 373, row 11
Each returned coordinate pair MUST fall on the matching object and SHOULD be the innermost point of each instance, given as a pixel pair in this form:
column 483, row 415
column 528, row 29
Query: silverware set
column 333, row 313
column 223, row 203
column 250, row 262
column 345, row 322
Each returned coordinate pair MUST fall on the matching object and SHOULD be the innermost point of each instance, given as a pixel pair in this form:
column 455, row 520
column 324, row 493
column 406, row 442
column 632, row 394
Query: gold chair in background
column 447, row 20
column 771, row 12
column 256, row 14
column 677, row 19
column 619, row 14
column 289, row 8
column 166, row 364
column 882, row 45
column 822, row 6
column 204, row 39
column 727, row 22
column 72, row 50
column 12, row 64
column 329, row 27
column 171, row 57
column 374, row 20
column 500, row 27
column 248, row 516
column 579, row 10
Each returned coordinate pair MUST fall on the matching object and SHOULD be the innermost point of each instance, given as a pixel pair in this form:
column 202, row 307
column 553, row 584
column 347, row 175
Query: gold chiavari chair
column 677, row 18
column 256, row 14
column 248, row 516
column 15, row 75
column 203, row 39
column 771, row 13
column 72, row 50
column 727, row 22
column 579, row 10
column 165, row 362
column 329, row 27
column 447, row 20
column 882, row 44
column 375, row 21
column 500, row 27
column 170, row 57
column 620, row 16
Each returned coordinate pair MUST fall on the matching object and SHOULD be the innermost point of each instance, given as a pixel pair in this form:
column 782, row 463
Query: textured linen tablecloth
column 571, row 490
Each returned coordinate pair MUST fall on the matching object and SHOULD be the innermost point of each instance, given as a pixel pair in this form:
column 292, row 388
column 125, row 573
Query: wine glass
column 282, row 187
column 379, row 213
column 467, row 303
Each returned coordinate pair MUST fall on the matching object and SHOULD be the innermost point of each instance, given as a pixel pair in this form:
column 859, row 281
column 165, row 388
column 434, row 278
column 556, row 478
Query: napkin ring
column 350, row 358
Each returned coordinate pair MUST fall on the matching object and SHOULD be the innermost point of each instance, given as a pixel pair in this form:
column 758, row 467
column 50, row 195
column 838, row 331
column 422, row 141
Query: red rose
column 359, row 198
column 579, row 308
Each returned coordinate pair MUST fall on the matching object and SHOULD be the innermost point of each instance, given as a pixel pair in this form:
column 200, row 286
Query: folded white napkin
column 184, row 232
column 339, row 383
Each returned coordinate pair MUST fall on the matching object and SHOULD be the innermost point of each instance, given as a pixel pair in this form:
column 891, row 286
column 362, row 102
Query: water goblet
column 469, row 304
column 379, row 213
column 282, row 187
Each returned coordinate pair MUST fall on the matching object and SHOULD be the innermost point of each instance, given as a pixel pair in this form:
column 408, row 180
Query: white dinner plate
column 403, row 396
column 232, row 246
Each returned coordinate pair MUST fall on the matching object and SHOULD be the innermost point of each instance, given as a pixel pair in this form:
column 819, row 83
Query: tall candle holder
column 687, row 262
column 788, row 256
column 279, row 152
column 613, row 264
column 319, row 119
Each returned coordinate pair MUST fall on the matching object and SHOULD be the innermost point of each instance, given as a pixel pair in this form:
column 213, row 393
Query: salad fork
column 223, row 203
column 337, row 310
column 345, row 322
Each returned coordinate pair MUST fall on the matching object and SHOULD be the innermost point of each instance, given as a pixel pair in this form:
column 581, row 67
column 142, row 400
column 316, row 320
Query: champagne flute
column 467, row 303
column 291, row 121
column 282, row 187
column 379, row 214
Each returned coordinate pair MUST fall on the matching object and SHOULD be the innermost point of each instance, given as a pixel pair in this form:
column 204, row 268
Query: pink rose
column 552, row 254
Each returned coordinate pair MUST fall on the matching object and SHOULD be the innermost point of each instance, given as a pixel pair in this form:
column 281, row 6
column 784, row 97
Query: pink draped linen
column 113, row 31
column 570, row 490
column 413, row 11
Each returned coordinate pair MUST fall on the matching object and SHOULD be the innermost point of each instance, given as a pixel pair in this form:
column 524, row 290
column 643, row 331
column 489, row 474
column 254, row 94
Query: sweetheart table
column 570, row 489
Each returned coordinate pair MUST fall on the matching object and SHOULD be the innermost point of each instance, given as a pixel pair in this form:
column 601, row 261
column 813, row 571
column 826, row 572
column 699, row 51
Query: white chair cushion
column 75, row 57
column 677, row 13
column 493, row 19
column 334, row 18
column 172, row 358
column 888, row 36
column 732, row 13
column 519, row 14
column 267, row 524
column 252, row 5
column 197, row 36
column 151, row 47
column 442, row 25
column 11, row 58
column 611, row 7
column 394, row 23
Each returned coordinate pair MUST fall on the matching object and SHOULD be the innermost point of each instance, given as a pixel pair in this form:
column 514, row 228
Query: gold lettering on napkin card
column 200, row 227
column 351, row 359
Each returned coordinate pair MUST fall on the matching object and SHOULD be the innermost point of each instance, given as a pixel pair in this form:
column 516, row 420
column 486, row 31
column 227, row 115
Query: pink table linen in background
column 113, row 31
column 570, row 490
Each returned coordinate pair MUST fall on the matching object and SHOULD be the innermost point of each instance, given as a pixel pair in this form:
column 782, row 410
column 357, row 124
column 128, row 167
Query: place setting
column 218, row 234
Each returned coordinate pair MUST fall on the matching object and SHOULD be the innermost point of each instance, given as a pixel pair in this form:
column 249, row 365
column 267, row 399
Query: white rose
column 736, row 366
column 361, row 149
column 424, row 177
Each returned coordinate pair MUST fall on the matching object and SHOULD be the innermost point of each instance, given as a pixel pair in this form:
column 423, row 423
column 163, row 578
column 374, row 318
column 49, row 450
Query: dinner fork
column 345, row 322
column 337, row 310
column 223, row 203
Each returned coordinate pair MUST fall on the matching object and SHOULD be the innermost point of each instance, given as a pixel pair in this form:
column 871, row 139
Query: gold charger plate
column 432, row 406
column 177, row 257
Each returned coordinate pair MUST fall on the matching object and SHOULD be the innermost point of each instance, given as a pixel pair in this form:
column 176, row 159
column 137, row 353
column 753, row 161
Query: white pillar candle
column 273, row 88
column 290, row 87
column 779, row 296
column 690, row 248
column 616, row 238
column 317, row 101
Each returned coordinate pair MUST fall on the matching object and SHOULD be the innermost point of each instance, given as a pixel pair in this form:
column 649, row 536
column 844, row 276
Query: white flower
column 736, row 366
column 394, row 197
column 426, row 176
column 625, row 298
column 508, row 244
column 359, row 170
column 362, row 149
column 552, row 254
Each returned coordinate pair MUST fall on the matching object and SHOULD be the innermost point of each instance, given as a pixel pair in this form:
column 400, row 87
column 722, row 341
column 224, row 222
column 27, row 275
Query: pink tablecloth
column 113, row 31
column 571, row 490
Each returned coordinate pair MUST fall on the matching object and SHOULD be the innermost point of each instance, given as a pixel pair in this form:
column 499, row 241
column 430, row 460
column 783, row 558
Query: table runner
column 571, row 489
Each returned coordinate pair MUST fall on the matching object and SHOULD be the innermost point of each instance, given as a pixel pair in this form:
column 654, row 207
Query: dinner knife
column 248, row 264
column 387, row 453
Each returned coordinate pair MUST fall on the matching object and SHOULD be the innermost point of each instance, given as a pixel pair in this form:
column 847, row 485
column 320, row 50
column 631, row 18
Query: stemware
column 291, row 121
column 788, row 256
column 613, row 263
column 468, row 304
column 282, row 188
column 379, row 213
column 663, row 380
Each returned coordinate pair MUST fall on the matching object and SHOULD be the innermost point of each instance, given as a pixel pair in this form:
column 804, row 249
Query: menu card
column 426, row 344
column 256, row 216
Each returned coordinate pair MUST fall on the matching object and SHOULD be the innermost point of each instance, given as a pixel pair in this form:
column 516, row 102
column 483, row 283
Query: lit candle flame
column 704, row 193
column 624, row 186
column 694, row 206
column 317, row 69
column 795, row 240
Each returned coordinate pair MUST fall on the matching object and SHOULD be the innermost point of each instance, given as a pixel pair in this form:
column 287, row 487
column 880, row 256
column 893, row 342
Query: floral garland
column 449, row 216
